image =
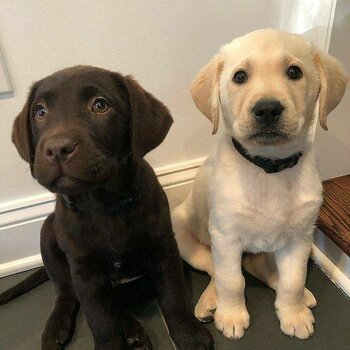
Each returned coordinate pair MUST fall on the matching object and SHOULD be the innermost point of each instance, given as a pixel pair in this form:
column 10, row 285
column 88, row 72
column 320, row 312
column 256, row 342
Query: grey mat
column 22, row 320
column 332, row 314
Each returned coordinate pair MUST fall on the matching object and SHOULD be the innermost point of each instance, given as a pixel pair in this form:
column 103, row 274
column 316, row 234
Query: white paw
column 309, row 298
column 206, row 305
column 232, row 321
column 296, row 322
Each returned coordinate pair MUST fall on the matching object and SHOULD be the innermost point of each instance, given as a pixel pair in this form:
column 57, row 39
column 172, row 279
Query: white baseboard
column 20, row 223
column 337, row 276
column 20, row 265
column 20, row 220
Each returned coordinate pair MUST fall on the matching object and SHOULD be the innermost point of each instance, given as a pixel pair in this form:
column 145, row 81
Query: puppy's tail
column 25, row 286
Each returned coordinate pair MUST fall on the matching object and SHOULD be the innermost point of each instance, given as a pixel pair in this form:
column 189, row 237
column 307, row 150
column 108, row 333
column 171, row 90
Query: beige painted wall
column 333, row 146
column 162, row 42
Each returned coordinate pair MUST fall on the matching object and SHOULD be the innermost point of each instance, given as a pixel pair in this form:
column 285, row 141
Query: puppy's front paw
column 134, row 333
column 59, row 328
column 232, row 321
column 296, row 321
column 195, row 337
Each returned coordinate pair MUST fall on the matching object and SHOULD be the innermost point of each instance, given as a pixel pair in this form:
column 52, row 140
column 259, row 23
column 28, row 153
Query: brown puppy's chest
column 117, row 246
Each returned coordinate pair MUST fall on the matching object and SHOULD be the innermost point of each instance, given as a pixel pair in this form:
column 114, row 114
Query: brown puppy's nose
column 268, row 111
column 59, row 150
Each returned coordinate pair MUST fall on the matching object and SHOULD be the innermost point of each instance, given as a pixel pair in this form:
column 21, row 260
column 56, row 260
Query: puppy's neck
column 116, row 195
column 278, row 151
column 274, row 152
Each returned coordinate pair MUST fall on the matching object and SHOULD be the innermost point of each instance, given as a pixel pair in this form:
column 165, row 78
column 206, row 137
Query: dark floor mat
column 23, row 319
column 332, row 314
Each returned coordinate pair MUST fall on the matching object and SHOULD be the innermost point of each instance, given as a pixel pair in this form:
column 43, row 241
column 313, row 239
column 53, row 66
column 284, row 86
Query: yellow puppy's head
column 266, row 85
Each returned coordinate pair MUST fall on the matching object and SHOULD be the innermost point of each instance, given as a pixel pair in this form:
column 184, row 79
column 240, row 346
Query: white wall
column 333, row 147
column 314, row 19
column 163, row 43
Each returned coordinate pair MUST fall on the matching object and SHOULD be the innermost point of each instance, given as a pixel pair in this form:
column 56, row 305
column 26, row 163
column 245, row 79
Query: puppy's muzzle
column 268, row 112
column 59, row 151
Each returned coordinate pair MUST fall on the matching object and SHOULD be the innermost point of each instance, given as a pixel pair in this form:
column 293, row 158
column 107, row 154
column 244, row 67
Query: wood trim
column 334, row 217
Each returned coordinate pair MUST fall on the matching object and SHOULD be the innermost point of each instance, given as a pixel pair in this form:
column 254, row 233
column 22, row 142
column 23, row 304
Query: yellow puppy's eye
column 240, row 77
column 40, row 112
column 100, row 105
column 294, row 73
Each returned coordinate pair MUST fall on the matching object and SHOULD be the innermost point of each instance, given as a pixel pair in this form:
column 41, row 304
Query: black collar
column 268, row 165
column 86, row 203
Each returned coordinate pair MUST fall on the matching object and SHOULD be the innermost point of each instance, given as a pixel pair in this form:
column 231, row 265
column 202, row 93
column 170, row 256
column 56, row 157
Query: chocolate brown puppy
column 84, row 132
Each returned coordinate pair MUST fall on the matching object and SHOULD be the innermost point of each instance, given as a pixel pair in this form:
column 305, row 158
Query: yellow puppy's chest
column 263, row 212
column 268, row 215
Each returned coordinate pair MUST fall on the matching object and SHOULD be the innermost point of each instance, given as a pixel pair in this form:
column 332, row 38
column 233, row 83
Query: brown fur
column 88, row 249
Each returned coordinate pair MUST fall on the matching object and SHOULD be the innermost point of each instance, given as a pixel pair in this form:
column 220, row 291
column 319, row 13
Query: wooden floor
column 22, row 320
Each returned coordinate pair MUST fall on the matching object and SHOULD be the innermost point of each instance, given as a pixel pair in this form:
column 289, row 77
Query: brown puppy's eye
column 240, row 77
column 294, row 73
column 40, row 112
column 100, row 105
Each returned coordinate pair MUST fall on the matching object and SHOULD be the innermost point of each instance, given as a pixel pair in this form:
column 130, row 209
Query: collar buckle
column 70, row 203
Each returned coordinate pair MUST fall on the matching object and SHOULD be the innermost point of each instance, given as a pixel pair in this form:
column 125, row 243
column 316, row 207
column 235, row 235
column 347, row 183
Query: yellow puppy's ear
column 333, row 79
column 205, row 90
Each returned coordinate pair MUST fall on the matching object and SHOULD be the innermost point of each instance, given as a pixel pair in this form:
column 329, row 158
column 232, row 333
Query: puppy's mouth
column 269, row 137
column 64, row 180
column 68, row 185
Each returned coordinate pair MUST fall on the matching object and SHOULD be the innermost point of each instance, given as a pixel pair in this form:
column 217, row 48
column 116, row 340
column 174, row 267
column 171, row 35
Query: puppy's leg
column 59, row 328
column 184, row 329
column 99, row 302
column 263, row 267
column 134, row 333
column 295, row 317
column 231, row 316
column 191, row 250
column 199, row 257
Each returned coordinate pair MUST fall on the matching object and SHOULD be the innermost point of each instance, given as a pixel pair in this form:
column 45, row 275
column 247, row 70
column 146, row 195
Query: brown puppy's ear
column 151, row 119
column 21, row 133
column 205, row 90
column 333, row 79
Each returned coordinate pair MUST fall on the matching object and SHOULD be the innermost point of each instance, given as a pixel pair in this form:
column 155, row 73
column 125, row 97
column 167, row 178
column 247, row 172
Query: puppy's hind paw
column 310, row 300
column 205, row 308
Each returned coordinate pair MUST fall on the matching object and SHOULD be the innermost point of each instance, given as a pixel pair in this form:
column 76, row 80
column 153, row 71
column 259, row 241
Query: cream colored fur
column 236, row 207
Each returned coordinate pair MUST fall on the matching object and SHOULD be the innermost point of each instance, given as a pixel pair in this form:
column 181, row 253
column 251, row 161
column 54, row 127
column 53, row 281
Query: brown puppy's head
column 81, row 124
column 266, row 85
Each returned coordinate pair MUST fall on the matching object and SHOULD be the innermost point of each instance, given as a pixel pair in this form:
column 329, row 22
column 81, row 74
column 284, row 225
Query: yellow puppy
column 259, row 191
